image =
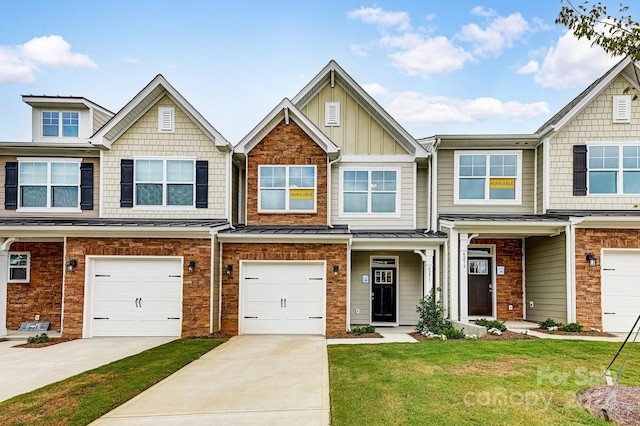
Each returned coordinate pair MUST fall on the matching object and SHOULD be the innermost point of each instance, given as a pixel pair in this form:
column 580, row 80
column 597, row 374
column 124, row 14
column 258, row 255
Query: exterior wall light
column 72, row 265
column 192, row 266
column 592, row 259
column 229, row 270
column 336, row 270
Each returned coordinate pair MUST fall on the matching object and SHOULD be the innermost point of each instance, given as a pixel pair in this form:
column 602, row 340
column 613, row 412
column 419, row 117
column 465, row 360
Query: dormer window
column 56, row 124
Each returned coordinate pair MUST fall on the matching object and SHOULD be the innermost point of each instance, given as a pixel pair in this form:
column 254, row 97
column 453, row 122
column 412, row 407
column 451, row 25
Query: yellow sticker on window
column 502, row 183
column 301, row 194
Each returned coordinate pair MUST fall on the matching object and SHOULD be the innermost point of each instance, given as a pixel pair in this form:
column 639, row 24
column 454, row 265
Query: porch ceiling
column 503, row 226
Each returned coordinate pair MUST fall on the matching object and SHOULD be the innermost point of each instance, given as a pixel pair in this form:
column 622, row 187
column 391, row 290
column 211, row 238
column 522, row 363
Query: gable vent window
column 166, row 119
column 332, row 114
column 622, row 109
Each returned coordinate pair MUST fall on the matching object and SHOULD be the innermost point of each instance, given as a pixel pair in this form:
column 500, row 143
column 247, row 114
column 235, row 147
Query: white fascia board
column 274, row 238
column 104, row 231
column 603, row 222
column 523, row 228
column 397, row 244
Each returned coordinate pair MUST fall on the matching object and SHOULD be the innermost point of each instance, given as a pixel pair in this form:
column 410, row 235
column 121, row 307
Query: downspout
column 348, row 280
column 329, row 185
column 4, row 271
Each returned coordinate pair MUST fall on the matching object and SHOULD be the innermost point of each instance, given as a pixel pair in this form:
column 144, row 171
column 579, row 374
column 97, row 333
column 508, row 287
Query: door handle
column 285, row 303
column 281, row 303
column 137, row 298
column 140, row 303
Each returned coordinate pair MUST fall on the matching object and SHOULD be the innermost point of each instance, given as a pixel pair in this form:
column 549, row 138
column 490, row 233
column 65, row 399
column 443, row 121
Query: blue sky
column 438, row 67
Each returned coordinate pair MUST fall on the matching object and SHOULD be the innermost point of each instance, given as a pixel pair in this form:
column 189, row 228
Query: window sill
column 487, row 202
column 165, row 208
column 287, row 212
column 47, row 210
column 370, row 215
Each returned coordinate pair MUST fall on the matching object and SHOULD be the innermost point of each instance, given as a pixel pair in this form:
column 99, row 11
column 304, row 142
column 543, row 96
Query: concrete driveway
column 25, row 369
column 250, row 380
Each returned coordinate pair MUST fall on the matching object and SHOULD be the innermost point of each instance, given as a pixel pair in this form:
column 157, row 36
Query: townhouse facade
column 326, row 215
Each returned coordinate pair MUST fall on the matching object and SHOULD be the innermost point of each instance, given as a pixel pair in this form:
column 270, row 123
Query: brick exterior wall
column 334, row 254
column 43, row 294
column 509, row 285
column 588, row 290
column 287, row 145
column 196, row 292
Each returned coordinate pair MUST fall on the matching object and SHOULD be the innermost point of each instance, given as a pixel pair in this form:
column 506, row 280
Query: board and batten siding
column 446, row 174
column 358, row 132
column 409, row 286
column 546, row 278
column 593, row 124
column 422, row 199
column 143, row 139
column 404, row 221
column 80, row 215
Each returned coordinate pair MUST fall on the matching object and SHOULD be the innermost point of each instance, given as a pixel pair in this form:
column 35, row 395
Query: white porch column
column 464, row 278
column 4, row 276
column 428, row 273
column 454, row 301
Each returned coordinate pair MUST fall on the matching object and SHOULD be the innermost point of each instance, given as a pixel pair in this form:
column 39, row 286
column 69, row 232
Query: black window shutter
column 126, row 183
column 579, row 170
column 11, row 186
column 202, row 184
column 86, row 186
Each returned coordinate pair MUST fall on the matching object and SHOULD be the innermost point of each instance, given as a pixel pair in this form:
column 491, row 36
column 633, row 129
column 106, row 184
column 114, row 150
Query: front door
column 480, row 287
column 383, row 295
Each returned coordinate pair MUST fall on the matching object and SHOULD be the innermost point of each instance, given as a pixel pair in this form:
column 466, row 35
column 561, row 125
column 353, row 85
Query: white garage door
column 136, row 297
column 283, row 298
column 620, row 290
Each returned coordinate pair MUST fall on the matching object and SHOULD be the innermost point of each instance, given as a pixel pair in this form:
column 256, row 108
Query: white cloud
column 417, row 108
column 360, row 49
column 18, row 64
column 384, row 18
column 481, row 11
column 375, row 90
column 531, row 67
column 572, row 63
column 417, row 53
column 133, row 61
column 498, row 35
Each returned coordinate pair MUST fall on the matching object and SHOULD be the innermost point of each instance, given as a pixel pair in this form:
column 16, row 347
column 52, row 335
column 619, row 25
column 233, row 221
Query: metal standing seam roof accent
column 124, row 223
column 403, row 233
column 596, row 213
column 287, row 230
column 504, row 218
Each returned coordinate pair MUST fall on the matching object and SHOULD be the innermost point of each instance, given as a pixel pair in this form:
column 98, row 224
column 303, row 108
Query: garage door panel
column 620, row 289
column 138, row 296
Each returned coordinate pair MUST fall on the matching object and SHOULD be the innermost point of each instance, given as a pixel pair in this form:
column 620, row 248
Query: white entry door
column 136, row 297
column 620, row 289
column 283, row 298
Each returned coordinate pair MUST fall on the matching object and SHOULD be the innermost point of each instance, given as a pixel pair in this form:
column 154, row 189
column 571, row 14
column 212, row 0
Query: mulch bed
column 52, row 341
column 575, row 333
column 347, row 335
column 624, row 406
column 507, row 335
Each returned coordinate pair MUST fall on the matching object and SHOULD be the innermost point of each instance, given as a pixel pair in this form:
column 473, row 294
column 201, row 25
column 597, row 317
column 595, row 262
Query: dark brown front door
column 383, row 295
column 480, row 287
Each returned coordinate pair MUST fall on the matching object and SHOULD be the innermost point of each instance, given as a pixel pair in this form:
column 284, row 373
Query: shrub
column 38, row 338
column 499, row 325
column 572, row 327
column 364, row 329
column 432, row 321
column 549, row 323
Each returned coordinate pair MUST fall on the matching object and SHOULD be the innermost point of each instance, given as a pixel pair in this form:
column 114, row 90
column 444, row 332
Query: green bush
column 492, row 324
column 38, row 338
column 432, row 319
column 573, row 327
column 549, row 323
column 364, row 329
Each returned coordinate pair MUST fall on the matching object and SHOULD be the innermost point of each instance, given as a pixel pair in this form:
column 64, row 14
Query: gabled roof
column 145, row 100
column 39, row 101
column 332, row 74
column 560, row 119
column 286, row 111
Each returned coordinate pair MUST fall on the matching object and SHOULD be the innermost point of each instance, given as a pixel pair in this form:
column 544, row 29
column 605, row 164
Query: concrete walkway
column 26, row 369
column 249, row 380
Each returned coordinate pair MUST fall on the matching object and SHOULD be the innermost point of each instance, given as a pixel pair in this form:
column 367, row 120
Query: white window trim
column 328, row 106
column 287, row 210
column 28, row 267
column 172, row 121
column 49, row 208
column 164, row 205
column 619, row 178
column 369, row 214
column 487, row 201
column 60, row 136
column 625, row 102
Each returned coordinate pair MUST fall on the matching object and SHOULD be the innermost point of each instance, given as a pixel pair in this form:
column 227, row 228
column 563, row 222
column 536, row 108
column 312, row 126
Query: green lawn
column 469, row 382
column 81, row 399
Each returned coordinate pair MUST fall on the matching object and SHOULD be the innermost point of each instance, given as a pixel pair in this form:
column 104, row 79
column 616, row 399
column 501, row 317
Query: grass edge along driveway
column 83, row 398
column 469, row 382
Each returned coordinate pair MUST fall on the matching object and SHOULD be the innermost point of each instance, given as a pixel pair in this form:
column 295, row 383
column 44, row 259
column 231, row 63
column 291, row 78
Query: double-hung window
column 287, row 188
column 370, row 191
column 614, row 169
column 49, row 184
column 165, row 182
column 482, row 177
column 19, row 264
column 56, row 124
